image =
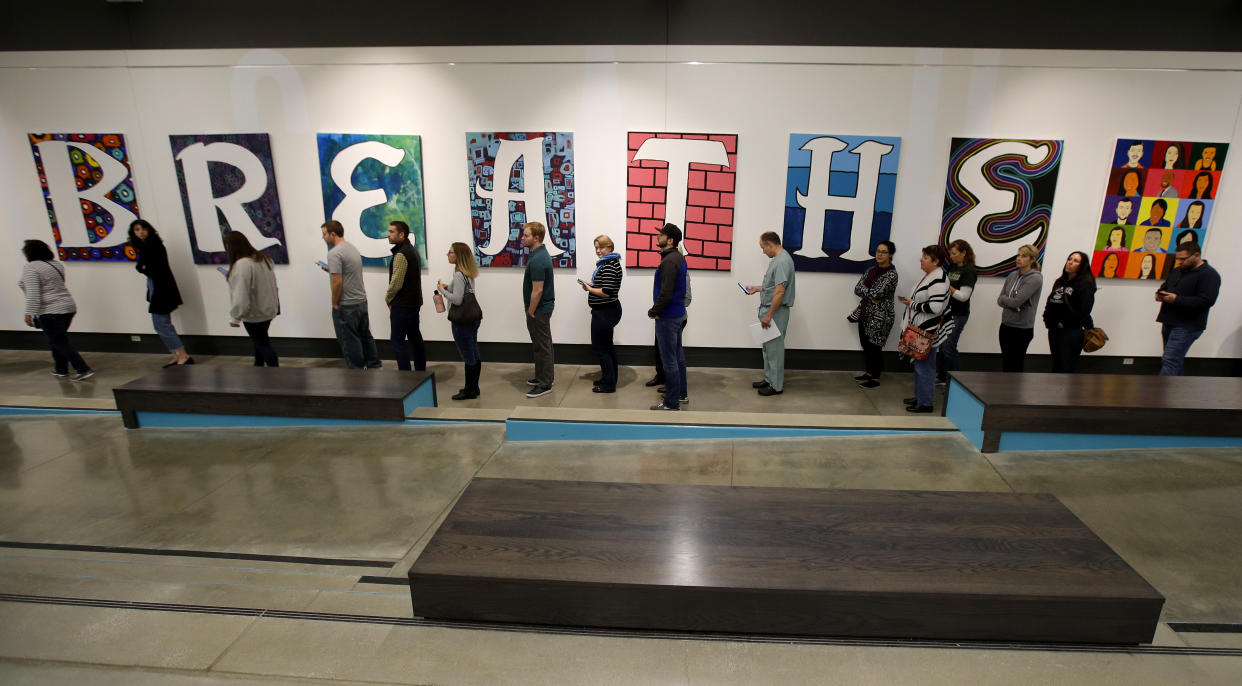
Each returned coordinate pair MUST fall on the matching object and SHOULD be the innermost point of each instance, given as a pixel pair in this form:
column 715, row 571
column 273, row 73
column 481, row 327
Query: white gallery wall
column 925, row 96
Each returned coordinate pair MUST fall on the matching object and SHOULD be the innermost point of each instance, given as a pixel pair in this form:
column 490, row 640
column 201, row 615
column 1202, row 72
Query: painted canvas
column 504, row 195
column 998, row 197
column 88, row 188
column 370, row 181
column 1160, row 193
column 839, row 195
column 689, row 179
column 228, row 183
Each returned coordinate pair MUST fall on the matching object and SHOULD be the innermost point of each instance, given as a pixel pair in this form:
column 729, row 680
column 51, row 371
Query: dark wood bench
column 1007, row 411
column 205, row 395
column 912, row 564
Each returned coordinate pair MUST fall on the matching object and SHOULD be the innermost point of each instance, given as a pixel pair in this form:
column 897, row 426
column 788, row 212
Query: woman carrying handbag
column 926, row 326
column 464, row 315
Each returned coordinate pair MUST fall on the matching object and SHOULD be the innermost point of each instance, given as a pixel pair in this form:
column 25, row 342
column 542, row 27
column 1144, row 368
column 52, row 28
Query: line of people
column 938, row 305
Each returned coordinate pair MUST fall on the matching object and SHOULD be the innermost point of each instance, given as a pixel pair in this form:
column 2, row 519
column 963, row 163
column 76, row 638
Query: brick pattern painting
column 707, row 226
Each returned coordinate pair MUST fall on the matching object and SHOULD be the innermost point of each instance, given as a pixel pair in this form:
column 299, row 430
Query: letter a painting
column 228, row 184
column 516, row 178
column 370, row 181
column 688, row 179
column 88, row 188
column 839, row 195
column 998, row 197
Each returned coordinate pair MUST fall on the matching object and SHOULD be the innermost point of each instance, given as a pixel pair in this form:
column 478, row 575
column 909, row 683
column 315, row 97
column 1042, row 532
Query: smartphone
column 222, row 270
column 583, row 282
column 322, row 265
column 739, row 285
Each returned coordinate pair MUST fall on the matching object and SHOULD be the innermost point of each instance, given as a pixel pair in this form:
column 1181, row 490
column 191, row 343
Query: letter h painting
column 839, row 197
column 504, row 195
column 687, row 179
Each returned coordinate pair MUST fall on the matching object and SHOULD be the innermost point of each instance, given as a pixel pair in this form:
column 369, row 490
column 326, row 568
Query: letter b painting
column 228, row 184
column 88, row 189
column 516, row 178
column 839, row 195
column 998, row 197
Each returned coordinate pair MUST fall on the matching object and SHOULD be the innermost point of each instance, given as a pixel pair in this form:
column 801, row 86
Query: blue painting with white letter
column 839, row 196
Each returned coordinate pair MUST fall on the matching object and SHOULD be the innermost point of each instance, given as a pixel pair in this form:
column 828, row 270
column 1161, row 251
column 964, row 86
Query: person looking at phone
column 775, row 299
column 350, row 318
column 603, row 293
column 1185, row 298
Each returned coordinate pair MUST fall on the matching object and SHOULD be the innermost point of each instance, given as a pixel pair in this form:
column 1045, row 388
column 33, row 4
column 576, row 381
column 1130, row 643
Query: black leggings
column 264, row 353
column 873, row 355
column 1013, row 344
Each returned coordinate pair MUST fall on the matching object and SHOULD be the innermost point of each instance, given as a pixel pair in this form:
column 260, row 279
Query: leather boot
column 464, row 393
column 472, row 379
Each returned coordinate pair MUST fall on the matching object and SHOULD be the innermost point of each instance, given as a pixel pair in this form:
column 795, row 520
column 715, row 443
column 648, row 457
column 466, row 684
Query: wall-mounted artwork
column 370, row 181
column 228, row 184
column 1159, row 194
column 839, row 195
column 998, row 197
column 88, row 188
column 688, row 179
column 504, row 195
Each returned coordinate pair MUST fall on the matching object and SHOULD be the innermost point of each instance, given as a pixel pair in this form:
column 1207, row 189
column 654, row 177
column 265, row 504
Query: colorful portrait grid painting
column 1160, row 194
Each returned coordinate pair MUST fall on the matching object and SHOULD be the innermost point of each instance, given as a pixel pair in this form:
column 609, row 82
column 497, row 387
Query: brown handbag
column 1093, row 340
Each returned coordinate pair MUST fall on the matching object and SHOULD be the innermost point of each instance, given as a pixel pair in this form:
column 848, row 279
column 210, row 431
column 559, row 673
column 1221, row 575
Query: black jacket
column 411, row 293
column 1196, row 291
column 153, row 262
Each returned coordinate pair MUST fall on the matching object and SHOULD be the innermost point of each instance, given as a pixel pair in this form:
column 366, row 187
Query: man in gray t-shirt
column 350, row 317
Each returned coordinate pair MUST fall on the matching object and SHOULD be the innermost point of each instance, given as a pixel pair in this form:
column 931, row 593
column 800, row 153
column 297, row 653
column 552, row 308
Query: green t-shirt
column 539, row 268
column 780, row 271
column 965, row 276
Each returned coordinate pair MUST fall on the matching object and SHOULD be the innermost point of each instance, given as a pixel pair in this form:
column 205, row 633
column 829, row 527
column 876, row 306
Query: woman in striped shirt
column 50, row 307
column 602, row 297
column 926, row 308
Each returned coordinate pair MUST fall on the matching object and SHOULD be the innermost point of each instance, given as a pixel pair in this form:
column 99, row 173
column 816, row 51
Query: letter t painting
column 688, row 179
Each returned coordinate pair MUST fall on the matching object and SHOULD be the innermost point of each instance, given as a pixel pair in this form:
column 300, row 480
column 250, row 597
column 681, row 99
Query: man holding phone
column 1185, row 298
column 775, row 299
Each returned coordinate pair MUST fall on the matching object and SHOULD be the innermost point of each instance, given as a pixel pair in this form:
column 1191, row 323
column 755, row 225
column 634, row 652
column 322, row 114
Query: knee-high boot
column 472, row 379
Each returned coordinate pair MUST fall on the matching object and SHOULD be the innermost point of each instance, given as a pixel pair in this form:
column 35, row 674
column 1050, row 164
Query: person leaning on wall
column 50, row 307
column 1067, row 313
column 1018, row 299
column 162, row 294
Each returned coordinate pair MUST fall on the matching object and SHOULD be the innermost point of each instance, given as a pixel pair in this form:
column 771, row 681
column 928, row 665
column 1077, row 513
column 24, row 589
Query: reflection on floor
column 315, row 521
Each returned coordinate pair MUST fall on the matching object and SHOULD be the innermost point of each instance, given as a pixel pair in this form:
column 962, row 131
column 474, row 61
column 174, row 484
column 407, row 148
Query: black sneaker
column 768, row 390
column 762, row 383
column 918, row 408
column 863, row 377
column 532, row 382
column 869, row 383
column 60, row 375
column 654, row 381
column 83, row 376
column 538, row 391
column 911, row 401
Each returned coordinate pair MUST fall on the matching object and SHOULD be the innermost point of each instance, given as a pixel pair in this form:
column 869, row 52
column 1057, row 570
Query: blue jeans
column 168, row 334
column 925, row 379
column 466, row 336
column 672, row 357
column 56, row 328
column 1177, row 342
column 950, row 360
column 404, row 322
column 353, row 331
column 603, row 321
column 264, row 353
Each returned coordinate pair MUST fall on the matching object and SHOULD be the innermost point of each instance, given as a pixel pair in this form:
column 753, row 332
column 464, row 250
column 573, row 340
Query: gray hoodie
column 1019, row 298
column 253, row 292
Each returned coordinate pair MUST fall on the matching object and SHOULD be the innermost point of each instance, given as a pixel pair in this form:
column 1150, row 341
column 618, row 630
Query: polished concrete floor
column 104, row 597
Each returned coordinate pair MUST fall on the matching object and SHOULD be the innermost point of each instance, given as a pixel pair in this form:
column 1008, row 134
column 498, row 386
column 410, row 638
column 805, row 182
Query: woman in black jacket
column 162, row 293
column 1067, row 312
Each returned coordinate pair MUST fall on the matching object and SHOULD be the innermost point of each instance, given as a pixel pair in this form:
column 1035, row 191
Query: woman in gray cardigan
column 1019, row 298
column 253, row 295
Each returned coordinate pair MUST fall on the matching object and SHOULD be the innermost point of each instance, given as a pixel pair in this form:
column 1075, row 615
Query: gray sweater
column 1019, row 299
column 253, row 292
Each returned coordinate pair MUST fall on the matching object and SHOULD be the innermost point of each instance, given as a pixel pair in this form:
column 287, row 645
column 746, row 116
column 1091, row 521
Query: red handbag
column 915, row 343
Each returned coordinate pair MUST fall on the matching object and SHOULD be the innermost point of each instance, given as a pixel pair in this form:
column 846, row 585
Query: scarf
column 874, row 274
column 600, row 262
